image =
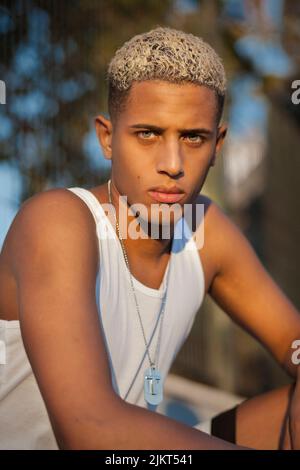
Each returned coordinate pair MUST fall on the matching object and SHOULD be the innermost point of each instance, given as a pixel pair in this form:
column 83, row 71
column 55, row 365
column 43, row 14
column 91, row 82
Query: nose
column 170, row 160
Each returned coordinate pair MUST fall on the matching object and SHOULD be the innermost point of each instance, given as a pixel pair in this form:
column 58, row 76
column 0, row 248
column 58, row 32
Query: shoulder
column 222, row 240
column 213, row 217
column 211, row 209
column 51, row 203
column 50, row 221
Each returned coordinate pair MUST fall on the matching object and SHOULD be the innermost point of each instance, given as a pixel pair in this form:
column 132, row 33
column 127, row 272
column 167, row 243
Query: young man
column 101, row 314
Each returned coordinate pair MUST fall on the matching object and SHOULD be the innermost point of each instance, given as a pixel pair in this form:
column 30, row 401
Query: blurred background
column 53, row 58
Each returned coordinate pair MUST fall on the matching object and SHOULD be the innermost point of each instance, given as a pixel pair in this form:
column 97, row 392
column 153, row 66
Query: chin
column 157, row 217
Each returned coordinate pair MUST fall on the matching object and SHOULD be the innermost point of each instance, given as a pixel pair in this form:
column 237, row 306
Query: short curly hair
column 164, row 54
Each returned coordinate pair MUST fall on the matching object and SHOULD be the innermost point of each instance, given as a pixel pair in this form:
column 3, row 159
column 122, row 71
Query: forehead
column 160, row 102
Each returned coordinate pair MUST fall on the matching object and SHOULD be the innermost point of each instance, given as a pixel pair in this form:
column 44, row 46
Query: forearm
column 138, row 428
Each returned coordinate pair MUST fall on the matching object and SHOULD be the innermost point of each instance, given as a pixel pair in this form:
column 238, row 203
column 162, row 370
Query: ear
column 222, row 131
column 104, row 130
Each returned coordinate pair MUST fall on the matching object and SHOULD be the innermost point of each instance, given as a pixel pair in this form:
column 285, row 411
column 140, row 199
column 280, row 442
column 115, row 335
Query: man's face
column 166, row 136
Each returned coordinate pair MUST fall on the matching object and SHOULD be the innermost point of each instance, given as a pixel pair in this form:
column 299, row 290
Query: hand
column 295, row 415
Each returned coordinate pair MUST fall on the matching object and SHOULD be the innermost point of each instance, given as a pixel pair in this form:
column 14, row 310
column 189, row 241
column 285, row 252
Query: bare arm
column 245, row 290
column 294, row 415
column 55, row 260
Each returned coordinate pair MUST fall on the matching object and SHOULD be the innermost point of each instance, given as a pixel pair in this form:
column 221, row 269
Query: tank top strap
column 91, row 201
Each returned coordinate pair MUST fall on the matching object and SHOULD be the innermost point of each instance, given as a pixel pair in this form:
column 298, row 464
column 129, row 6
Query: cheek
column 197, row 160
column 129, row 163
column 124, row 149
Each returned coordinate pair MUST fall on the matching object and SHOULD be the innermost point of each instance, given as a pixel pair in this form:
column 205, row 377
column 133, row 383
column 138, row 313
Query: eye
column 194, row 138
column 145, row 134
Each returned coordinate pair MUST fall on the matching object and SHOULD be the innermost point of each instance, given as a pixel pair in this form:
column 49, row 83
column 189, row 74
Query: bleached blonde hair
column 164, row 54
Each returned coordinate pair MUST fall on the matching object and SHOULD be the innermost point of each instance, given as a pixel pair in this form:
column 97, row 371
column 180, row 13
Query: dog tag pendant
column 153, row 386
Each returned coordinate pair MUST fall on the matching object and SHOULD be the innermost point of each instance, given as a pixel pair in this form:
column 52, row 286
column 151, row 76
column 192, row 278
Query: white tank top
column 24, row 422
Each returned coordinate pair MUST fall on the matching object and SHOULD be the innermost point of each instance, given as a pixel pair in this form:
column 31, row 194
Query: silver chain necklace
column 153, row 382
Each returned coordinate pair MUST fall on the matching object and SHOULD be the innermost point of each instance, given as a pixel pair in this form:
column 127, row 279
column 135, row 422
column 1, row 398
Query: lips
column 168, row 197
column 165, row 189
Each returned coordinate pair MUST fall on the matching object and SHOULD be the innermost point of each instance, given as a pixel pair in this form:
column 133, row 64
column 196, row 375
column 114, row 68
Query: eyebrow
column 200, row 130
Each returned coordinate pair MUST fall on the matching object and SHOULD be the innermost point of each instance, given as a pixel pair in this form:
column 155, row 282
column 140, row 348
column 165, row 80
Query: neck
column 142, row 243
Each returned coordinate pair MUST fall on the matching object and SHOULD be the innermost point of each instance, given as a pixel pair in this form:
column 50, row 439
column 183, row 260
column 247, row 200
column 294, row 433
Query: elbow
column 92, row 432
column 89, row 436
